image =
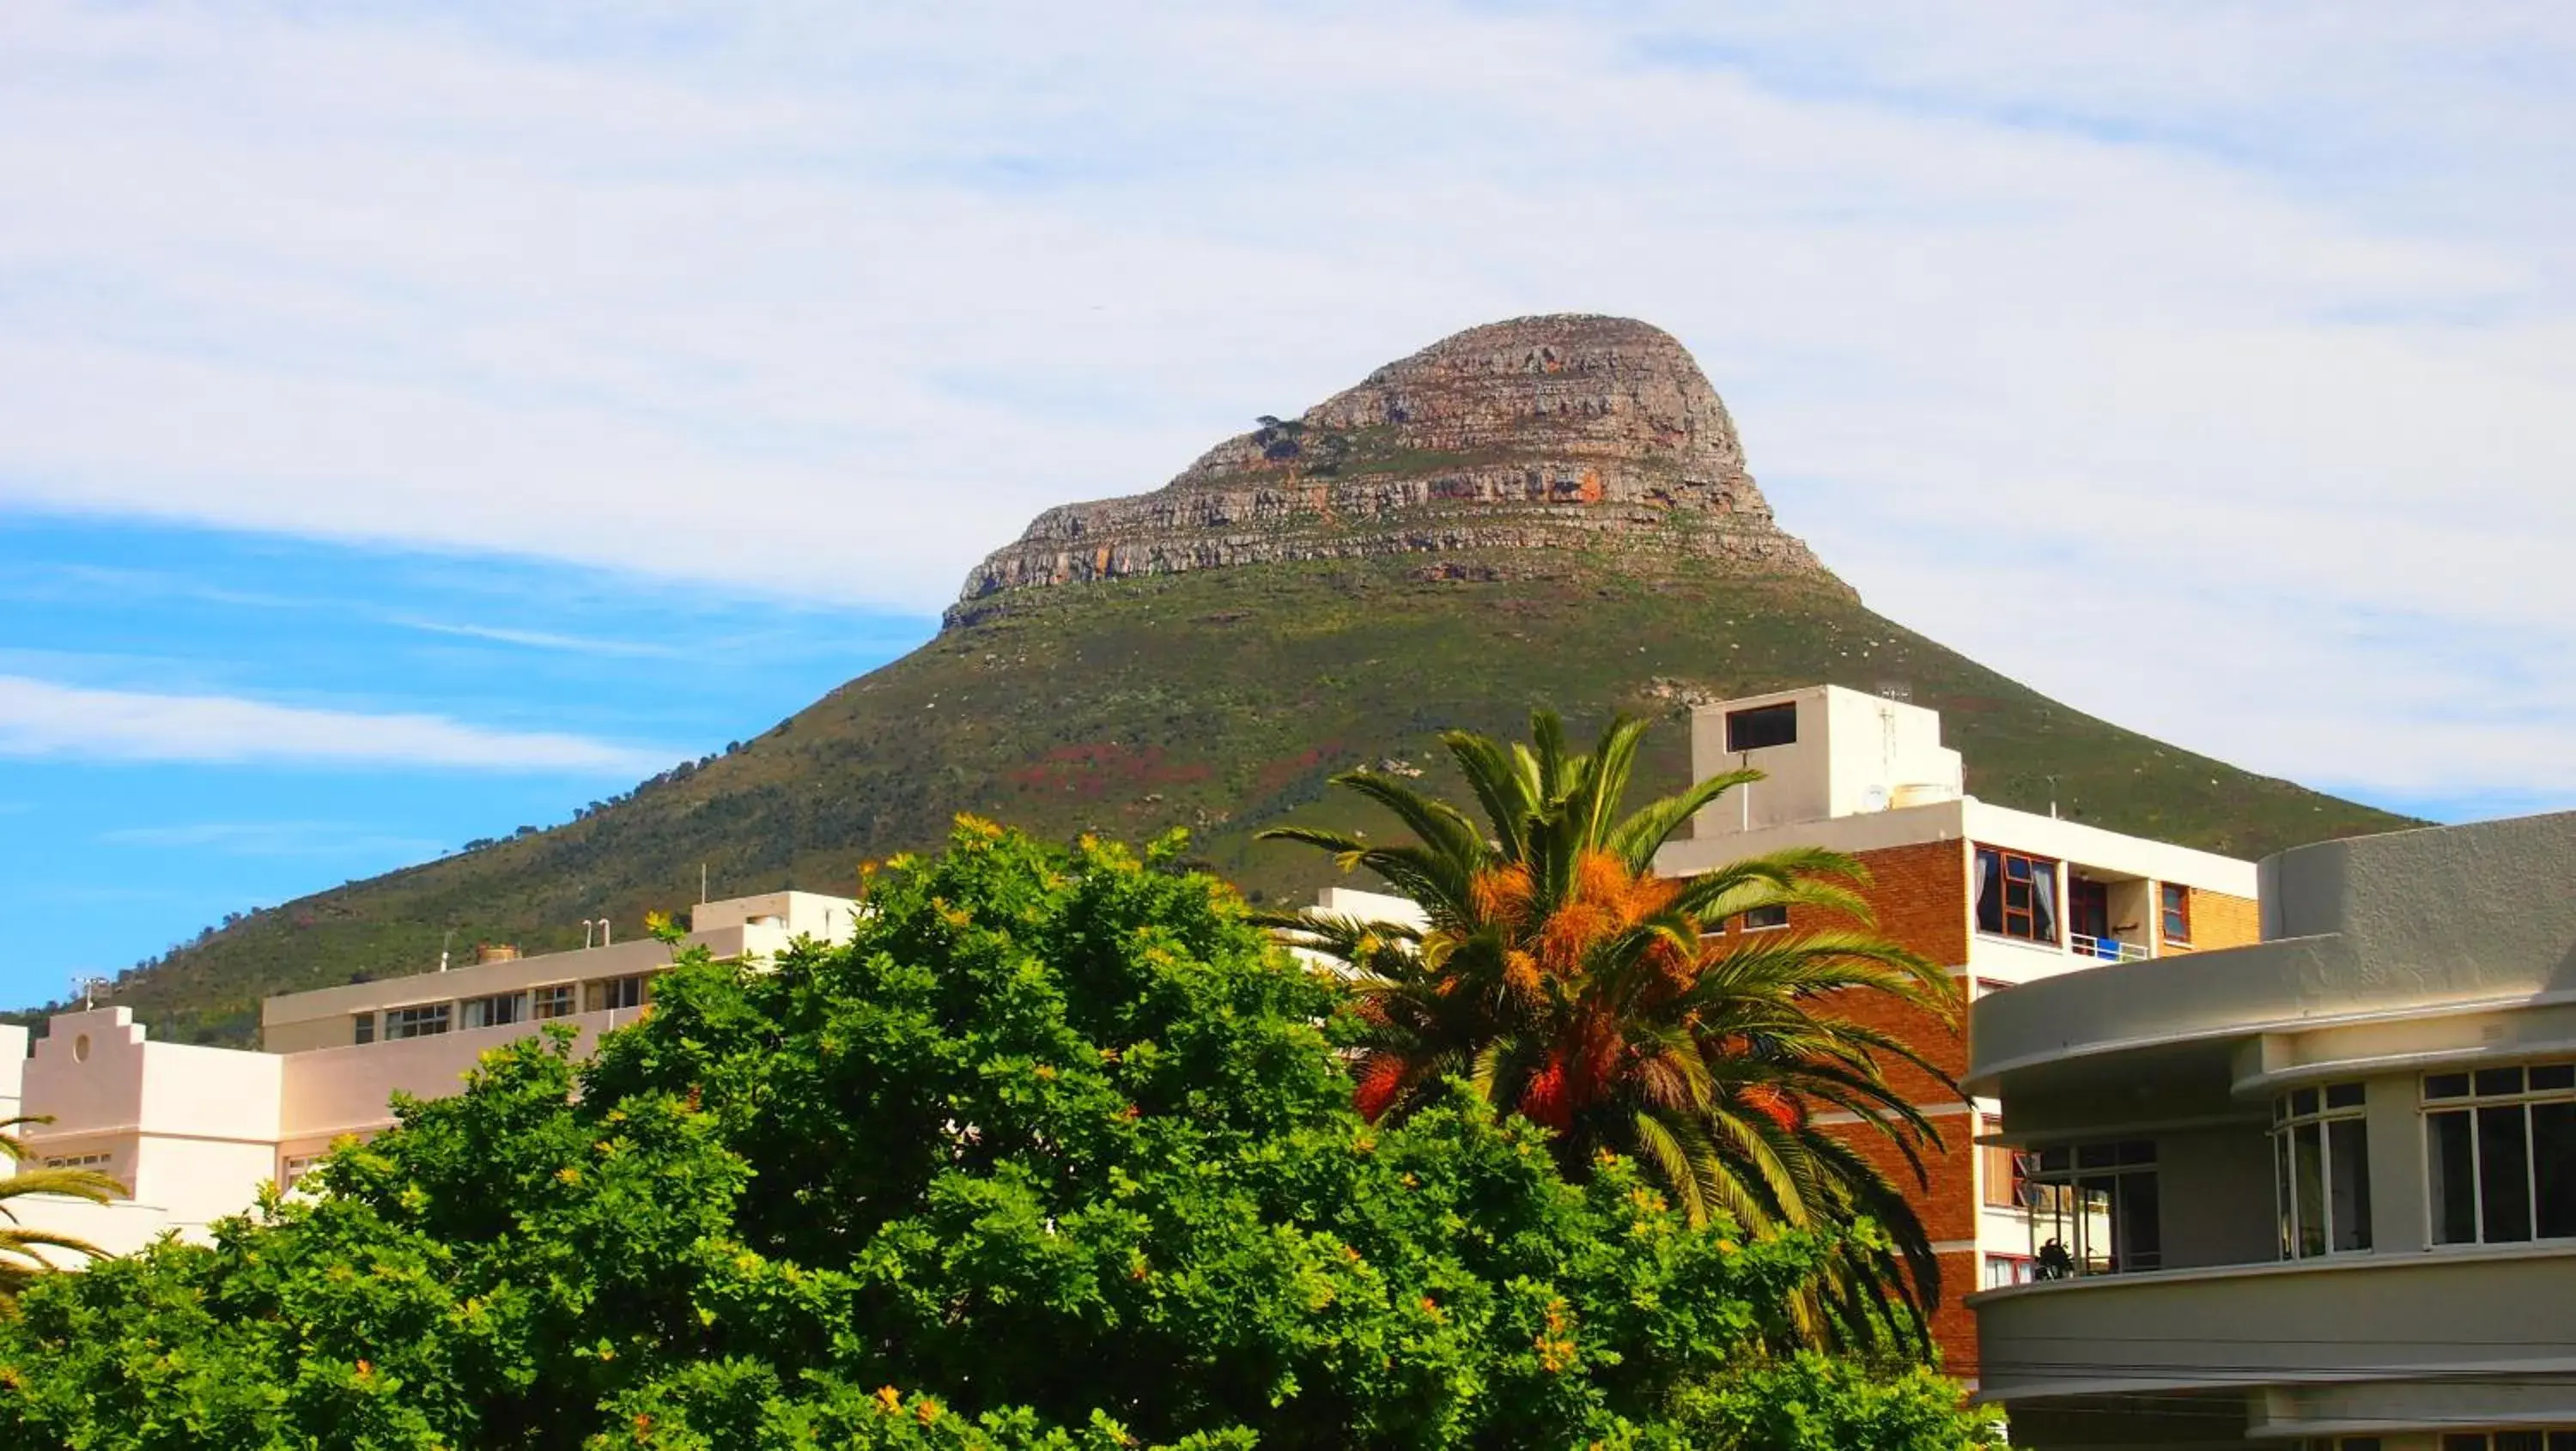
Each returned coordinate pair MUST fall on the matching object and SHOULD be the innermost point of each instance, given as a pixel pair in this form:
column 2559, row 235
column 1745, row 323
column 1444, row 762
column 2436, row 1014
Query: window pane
column 2281, row 1193
column 2517, row 1441
column 2499, row 1080
column 2553, row 1076
column 2562, row 1441
column 2140, row 1228
column 2504, row 1175
column 2472, row 1441
column 2138, row 1151
column 2055, row 1160
column 1990, row 890
column 2361, row 1443
column 2308, row 1187
column 2446, row 1085
column 2096, row 1156
column 2344, row 1095
column 2452, row 1163
column 1762, row 726
column 2553, row 1166
column 2303, row 1100
column 2348, row 1183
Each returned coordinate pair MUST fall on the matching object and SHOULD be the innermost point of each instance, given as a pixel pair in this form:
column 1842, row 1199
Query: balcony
column 2108, row 949
column 2349, row 1318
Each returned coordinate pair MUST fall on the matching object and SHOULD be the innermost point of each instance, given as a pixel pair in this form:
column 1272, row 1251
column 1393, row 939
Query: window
column 2093, row 1209
column 2016, row 895
column 2321, row 1170
column 78, row 1161
column 1763, row 725
column 2347, row 1443
column 2003, row 1270
column 363, row 1028
column 554, row 1001
column 610, row 993
column 2176, row 901
column 295, row 1168
column 1775, row 915
column 2000, row 1169
column 2500, row 1154
column 2560, row 1440
column 427, row 1021
column 497, row 1011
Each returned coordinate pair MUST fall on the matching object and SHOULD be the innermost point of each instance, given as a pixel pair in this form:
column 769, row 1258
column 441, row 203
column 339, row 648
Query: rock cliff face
column 1536, row 434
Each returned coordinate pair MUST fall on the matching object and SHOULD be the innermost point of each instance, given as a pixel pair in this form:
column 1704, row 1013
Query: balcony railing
column 2108, row 949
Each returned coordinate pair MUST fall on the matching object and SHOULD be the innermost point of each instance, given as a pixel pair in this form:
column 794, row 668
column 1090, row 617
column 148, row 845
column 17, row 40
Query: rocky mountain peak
column 1568, row 431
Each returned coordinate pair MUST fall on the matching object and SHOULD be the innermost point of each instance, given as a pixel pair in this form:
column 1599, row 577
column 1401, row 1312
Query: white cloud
column 2247, row 324
column 45, row 720
column 537, row 639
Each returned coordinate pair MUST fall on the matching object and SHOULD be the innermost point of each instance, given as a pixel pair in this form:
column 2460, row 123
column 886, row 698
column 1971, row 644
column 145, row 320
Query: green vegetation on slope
column 1221, row 701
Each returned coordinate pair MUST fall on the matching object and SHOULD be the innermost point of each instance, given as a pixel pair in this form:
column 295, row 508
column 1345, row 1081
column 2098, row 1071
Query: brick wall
column 1919, row 897
column 2219, row 920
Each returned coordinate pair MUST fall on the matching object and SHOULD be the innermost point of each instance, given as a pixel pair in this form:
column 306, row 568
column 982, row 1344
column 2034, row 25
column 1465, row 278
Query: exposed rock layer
column 1540, row 433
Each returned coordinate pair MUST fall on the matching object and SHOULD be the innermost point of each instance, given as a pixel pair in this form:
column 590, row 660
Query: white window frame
column 2469, row 1103
column 2286, row 1120
column 400, row 1023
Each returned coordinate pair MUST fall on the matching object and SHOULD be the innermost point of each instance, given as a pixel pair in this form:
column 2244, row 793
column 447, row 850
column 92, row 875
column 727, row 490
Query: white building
column 2353, row 1146
column 193, row 1132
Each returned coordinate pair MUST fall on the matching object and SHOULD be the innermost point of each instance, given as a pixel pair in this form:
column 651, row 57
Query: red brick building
column 1997, row 896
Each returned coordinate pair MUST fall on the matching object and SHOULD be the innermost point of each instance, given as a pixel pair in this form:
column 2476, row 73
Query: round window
column 80, row 1049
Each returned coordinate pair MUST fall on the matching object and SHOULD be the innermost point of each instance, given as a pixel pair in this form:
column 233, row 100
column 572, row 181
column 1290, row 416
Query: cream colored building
column 2352, row 1145
column 193, row 1132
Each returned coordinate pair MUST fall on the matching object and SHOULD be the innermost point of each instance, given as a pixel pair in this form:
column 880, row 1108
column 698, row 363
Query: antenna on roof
column 442, row 948
column 87, row 986
column 702, row 884
column 2052, row 797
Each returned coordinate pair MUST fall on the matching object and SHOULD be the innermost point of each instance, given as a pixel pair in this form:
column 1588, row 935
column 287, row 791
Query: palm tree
column 1565, row 981
column 22, row 1256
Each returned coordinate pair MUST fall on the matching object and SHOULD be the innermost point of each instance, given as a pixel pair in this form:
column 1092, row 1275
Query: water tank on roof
column 1923, row 793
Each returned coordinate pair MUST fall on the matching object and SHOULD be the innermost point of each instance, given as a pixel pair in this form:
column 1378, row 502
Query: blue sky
column 420, row 420
column 410, row 702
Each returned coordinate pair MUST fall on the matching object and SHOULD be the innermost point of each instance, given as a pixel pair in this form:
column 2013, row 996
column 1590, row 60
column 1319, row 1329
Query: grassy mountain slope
column 1217, row 700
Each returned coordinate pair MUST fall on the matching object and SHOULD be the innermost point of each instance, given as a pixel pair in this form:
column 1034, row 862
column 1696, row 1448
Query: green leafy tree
column 1052, row 1155
column 23, row 1249
column 1572, row 985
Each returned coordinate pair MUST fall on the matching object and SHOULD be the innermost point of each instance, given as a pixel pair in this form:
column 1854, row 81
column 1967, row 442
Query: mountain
column 1550, row 510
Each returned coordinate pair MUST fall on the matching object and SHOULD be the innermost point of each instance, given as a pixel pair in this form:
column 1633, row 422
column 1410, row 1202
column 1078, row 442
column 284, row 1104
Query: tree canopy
column 1568, row 981
column 1053, row 1154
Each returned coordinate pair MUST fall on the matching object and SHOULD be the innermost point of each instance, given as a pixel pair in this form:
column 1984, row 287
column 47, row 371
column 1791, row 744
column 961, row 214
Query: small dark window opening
column 1763, row 725
column 1775, row 915
column 366, row 1027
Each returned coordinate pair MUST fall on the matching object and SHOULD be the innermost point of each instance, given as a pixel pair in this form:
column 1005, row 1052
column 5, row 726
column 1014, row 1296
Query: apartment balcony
column 2107, row 949
column 2426, row 1315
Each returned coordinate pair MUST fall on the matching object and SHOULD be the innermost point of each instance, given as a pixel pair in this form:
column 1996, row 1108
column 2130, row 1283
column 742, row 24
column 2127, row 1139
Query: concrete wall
column 798, row 914
column 2214, row 1196
column 346, row 1090
column 2396, row 1316
column 13, row 1068
column 2414, row 923
column 301, row 1022
column 1854, row 754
